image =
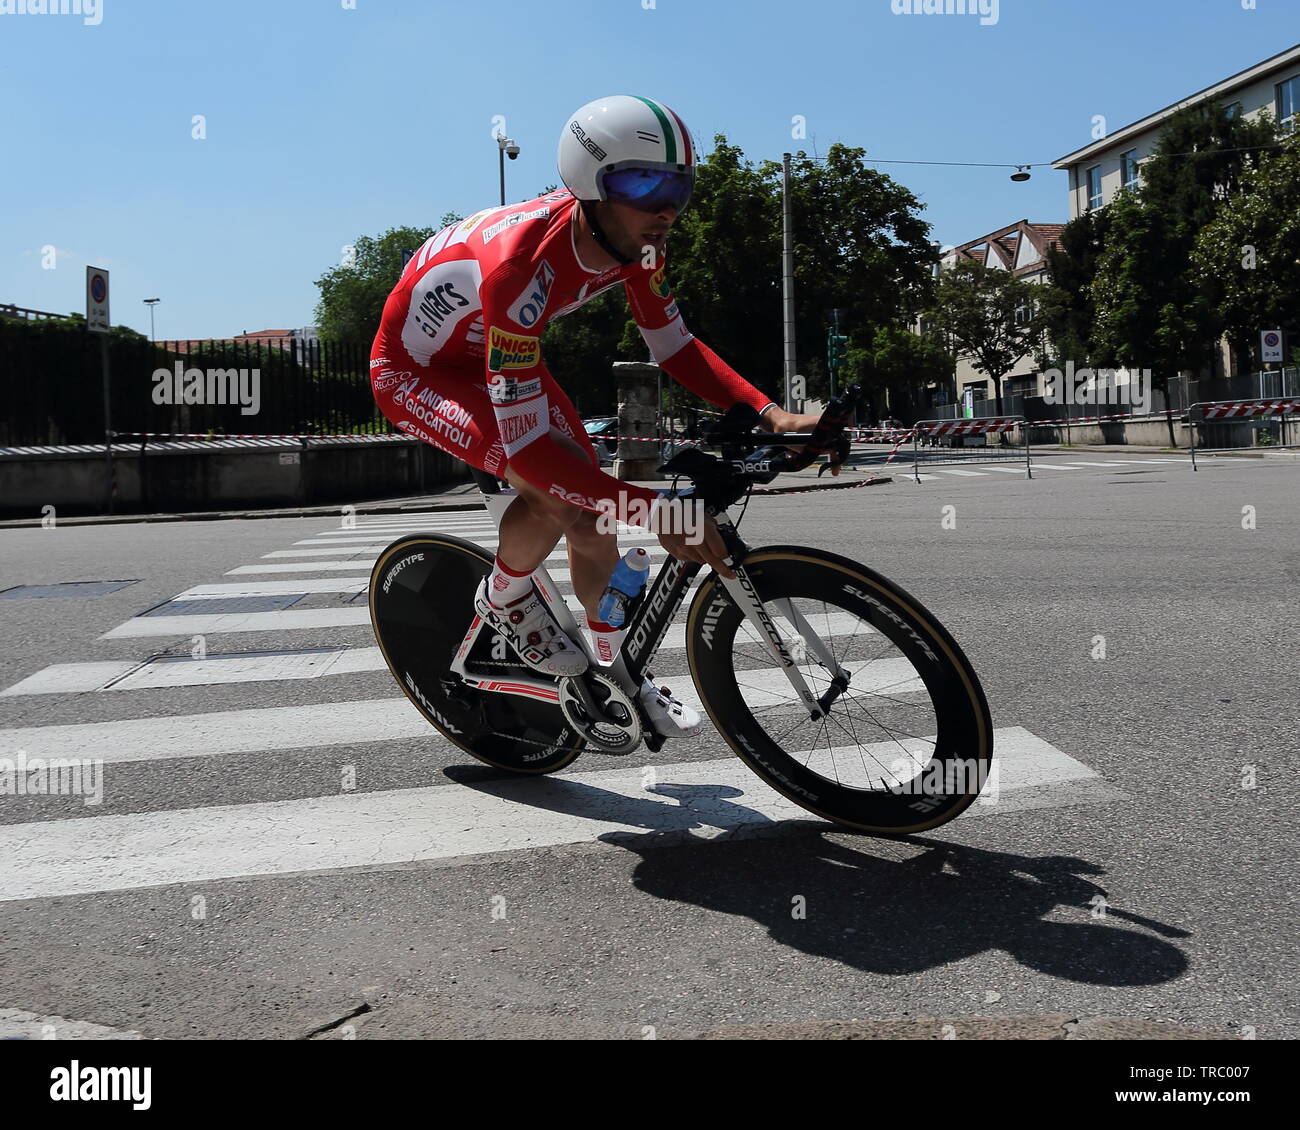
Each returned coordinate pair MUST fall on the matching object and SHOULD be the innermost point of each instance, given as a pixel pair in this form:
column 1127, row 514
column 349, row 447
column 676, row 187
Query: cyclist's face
column 632, row 230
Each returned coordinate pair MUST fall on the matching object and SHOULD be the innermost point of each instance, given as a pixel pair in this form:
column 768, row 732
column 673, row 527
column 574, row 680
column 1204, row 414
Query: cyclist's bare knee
column 589, row 531
column 552, row 509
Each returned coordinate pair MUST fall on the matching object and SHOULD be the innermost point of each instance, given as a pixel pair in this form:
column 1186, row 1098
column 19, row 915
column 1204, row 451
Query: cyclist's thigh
column 447, row 407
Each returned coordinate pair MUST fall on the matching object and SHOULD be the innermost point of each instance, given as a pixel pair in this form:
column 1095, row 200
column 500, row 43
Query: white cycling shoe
column 534, row 634
column 671, row 717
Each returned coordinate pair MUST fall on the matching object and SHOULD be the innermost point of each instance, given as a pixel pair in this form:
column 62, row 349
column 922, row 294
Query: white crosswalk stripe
column 370, row 556
column 261, row 667
column 50, row 859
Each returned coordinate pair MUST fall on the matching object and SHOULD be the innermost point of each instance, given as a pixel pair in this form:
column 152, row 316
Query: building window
column 1288, row 101
column 1094, row 187
column 1128, row 164
column 1024, row 312
column 1234, row 110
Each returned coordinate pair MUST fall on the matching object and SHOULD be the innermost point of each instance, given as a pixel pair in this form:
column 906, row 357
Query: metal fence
column 52, row 387
column 1183, row 393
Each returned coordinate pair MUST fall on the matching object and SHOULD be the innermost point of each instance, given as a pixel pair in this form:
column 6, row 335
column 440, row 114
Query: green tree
column 1065, row 312
column 975, row 307
column 352, row 296
column 895, row 367
column 860, row 245
column 1152, row 311
column 1249, row 254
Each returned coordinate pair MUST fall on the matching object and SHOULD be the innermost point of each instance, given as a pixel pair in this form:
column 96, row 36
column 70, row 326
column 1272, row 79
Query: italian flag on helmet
column 622, row 131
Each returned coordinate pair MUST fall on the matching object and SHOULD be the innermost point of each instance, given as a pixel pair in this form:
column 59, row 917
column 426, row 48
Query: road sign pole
column 111, row 484
column 99, row 322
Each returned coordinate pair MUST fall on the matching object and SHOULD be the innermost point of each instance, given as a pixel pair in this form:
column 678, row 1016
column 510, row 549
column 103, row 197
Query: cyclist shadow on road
column 880, row 905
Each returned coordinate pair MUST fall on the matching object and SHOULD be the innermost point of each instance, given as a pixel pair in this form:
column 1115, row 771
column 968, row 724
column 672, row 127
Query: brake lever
column 838, row 456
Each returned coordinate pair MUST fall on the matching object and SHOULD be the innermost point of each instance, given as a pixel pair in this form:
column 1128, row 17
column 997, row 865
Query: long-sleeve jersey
column 475, row 299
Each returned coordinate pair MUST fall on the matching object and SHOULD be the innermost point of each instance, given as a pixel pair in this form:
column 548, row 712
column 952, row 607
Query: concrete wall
column 1152, row 430
column 171, row 480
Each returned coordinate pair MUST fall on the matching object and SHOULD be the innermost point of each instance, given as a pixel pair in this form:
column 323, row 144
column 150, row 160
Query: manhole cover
column 64, row 588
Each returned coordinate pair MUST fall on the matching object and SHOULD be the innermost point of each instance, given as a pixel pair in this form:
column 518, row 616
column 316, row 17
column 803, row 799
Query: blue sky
column 325, row 121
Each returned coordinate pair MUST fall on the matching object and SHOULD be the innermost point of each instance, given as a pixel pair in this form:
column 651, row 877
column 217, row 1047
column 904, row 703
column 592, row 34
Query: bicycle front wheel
column 906, row 745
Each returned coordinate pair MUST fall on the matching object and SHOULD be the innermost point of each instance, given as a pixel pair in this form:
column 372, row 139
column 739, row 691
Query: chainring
column 612, row 737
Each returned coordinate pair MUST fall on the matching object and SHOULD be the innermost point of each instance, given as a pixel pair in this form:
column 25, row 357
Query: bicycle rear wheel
column 907, row 745
column 421, row 605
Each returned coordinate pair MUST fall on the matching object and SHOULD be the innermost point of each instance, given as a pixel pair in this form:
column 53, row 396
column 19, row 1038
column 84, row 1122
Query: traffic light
column 835, row 347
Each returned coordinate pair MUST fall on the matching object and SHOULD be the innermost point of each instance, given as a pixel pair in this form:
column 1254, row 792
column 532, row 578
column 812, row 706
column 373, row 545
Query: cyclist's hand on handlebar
column 702, row 542
column 779, row 420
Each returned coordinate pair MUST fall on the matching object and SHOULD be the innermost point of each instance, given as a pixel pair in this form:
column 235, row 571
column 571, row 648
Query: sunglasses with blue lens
column 649, row 189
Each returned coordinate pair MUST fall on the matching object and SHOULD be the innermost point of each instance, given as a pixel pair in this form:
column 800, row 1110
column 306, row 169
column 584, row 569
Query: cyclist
column 457, row 363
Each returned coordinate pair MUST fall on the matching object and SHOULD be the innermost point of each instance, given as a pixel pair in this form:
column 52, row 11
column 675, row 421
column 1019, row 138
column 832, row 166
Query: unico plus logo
column 530, row 305
column 511, row 351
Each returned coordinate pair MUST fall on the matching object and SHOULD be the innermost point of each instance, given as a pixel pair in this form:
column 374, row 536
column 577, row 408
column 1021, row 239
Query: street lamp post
column 505, row 148
column 151, row 303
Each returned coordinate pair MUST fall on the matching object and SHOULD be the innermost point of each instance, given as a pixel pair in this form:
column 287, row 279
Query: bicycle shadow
column 861, row 904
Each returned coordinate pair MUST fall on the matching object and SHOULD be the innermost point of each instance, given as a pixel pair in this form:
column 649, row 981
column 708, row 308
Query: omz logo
column 439, row 717
column 711, row 616
column 392, row 573
column 530, row 305
column 586, row 142
column 896, row 618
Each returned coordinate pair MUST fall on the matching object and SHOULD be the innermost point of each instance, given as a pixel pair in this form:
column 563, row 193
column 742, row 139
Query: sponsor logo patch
column 493, row 230
column 506, row 390
column 515, row 428
column 529, row 306
column 387, row 379
column 659, row 284
column 511, row 351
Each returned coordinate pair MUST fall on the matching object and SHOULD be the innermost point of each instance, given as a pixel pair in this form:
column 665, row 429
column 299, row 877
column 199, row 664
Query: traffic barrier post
column 1281, row 408
column 989, row 425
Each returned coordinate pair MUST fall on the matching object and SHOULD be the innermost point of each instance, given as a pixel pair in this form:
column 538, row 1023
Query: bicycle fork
column 742, row 591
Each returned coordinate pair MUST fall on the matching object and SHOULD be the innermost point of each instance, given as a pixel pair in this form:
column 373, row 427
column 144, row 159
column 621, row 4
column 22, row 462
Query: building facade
column 1020, row 248
column 1100, row 170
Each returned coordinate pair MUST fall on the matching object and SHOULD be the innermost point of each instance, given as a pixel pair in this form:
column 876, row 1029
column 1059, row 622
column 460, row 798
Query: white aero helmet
column 629, row 150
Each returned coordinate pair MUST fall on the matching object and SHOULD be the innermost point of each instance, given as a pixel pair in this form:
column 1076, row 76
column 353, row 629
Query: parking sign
column 97, row 299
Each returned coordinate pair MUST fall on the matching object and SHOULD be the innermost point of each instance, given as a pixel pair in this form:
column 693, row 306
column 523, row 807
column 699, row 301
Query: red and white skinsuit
column 457, row 360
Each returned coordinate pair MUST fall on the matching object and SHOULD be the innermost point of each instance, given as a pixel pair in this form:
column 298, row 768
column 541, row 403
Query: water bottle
column 625, row 585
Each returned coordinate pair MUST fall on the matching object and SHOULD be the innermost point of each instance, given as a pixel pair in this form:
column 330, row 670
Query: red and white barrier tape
column 968, row 427
column 1246, row 408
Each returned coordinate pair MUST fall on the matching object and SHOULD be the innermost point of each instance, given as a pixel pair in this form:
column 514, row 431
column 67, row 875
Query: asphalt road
column 1127, row 869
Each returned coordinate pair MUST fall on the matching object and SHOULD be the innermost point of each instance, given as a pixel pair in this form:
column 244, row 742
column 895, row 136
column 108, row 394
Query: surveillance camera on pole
column 505, row 148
